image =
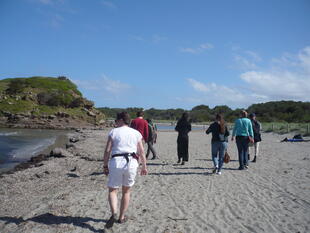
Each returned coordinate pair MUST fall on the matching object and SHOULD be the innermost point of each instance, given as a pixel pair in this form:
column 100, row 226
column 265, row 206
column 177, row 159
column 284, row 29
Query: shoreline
column 60, row 142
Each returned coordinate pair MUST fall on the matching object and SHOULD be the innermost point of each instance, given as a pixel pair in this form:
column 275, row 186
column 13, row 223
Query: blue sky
column 162, row 53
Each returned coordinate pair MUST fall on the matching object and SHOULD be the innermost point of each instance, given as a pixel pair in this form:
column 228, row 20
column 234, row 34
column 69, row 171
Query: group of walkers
column 125, row 146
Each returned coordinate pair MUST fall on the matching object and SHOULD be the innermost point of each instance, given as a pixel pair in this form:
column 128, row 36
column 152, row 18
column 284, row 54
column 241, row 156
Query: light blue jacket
column 243, row 127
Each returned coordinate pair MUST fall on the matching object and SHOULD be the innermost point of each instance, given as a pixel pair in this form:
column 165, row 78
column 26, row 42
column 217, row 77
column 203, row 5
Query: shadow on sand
column 232, row 160
column 178, row 173
column 50, row 219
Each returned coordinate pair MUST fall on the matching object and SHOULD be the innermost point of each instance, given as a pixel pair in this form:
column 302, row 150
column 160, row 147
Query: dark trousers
column 150, row 148
column 183, row 148
column 243, row 150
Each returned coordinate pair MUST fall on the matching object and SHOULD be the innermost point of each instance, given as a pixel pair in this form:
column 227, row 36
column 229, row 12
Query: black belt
column 126, row 155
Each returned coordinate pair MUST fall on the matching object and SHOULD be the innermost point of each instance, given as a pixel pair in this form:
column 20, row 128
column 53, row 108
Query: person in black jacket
column 257, row 136
column 219, row 142
column 183, row 127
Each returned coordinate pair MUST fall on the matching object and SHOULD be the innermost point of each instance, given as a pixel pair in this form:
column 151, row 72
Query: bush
column 56, row 98
column 16, row 86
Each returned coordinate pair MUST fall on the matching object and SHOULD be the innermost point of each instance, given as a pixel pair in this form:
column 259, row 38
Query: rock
column 70, row 145
column 51, row 117
column 38, row 158
column 89, row 113
column 60, row 153
column 62, row 114
column 101, row 122
column 74, row 139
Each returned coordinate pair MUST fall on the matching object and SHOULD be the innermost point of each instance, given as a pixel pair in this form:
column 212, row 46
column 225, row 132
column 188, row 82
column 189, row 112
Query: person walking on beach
column 257, row 136
column 151, row 139
column 243, row 132
column 183, row 127
column 219, row 142
column 125, row 146
column 141, row 125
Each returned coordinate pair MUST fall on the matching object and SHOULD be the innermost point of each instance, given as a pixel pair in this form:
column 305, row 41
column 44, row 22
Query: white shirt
column 124, row 140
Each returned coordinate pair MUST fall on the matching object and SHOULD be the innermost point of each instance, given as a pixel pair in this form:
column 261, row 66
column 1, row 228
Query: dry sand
column 272, row 196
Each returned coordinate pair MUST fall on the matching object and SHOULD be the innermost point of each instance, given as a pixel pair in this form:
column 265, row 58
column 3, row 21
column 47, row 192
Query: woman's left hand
column 143, row 171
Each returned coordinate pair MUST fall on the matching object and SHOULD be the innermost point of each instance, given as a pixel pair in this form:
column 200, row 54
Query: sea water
column 19, row 145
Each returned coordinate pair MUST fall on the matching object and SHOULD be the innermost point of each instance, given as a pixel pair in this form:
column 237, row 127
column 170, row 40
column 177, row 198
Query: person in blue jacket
column 242, row 131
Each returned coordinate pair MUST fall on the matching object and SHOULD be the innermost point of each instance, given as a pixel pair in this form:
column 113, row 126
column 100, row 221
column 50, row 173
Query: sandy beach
column 69, row 194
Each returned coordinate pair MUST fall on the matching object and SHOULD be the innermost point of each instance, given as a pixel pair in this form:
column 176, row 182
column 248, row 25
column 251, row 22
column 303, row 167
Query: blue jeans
column 218, row 150
column 243, row 150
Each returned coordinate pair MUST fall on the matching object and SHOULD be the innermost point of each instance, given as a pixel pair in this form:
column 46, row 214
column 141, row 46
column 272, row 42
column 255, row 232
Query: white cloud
column 214, row 94
column 198, row 86
column 157, row 38
column 245, row 59
column 287, row 79
column 136, row 37
column 114, row 86
column 254, row 55
column 45, row 1
column 244, row 63
column 109, row 4
column 49, row 2
column 278, row 85
column 109, row 86
column 304, row 57
column 56, row 20
column 201, row 48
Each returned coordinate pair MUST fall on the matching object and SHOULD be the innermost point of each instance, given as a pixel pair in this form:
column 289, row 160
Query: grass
column 16, row 106
column 283, row 127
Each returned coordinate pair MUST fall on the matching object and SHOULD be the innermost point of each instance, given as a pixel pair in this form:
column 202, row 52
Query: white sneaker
column 219, row 173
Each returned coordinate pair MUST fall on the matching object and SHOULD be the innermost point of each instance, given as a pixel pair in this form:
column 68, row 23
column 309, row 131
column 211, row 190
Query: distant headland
column 45, row 102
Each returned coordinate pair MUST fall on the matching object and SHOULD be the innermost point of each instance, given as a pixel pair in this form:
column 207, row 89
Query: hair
column 252, row 115
column 220, row 118
column 140, row 114
column 185, row 116
column 243, row 113
column 149, row 120
column 123, row 116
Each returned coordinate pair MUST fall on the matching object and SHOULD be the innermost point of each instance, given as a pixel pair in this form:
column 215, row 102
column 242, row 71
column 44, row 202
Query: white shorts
column 122, row 173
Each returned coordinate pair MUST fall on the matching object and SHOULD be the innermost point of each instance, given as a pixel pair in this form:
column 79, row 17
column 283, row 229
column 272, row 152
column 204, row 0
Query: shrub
column 16, row 86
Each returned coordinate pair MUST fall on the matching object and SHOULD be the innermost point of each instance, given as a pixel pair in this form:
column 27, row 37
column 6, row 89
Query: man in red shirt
column 141, row 125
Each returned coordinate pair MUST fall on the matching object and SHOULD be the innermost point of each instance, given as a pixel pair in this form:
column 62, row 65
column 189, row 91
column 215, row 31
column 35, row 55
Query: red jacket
column 142, row 126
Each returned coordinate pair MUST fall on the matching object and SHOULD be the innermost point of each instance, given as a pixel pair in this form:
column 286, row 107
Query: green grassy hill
column 45, row 96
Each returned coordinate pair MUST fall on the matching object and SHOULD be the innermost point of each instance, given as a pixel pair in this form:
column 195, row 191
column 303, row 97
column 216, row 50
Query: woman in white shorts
column 125, row 146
